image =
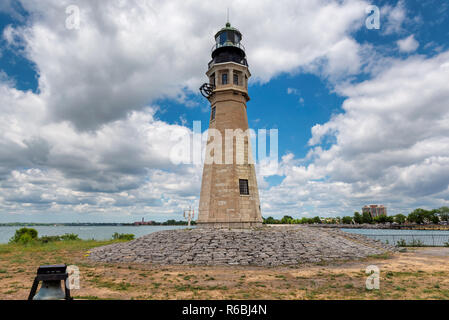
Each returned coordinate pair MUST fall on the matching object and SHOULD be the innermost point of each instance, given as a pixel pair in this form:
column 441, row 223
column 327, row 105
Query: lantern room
column 228, row 47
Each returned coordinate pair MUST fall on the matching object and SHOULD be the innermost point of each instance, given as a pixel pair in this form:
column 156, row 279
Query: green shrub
column 70, row 237
column 47, row 239
column 414, row 243
column 64, row 237
column 400, row 218
column 24, row 236
column 122, row 236
column 347, row 220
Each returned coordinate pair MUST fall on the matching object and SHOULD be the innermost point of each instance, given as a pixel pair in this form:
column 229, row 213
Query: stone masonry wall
column 268, row 246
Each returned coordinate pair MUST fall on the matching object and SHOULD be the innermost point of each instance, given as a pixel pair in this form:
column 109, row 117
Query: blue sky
column 90, row 114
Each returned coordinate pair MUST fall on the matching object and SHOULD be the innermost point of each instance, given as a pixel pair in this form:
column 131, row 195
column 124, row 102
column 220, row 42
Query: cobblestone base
column 267, row 246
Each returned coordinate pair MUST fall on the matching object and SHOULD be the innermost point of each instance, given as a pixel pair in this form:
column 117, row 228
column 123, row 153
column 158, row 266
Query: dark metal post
column 33, row 289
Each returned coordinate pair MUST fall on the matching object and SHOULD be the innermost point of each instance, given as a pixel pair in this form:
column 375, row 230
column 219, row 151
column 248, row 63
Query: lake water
column 425, row 237
column 438, row 238
column 86, row 233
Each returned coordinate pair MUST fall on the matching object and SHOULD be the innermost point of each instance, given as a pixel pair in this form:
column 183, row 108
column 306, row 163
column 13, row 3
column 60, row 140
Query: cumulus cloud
column 89, row 143
column 124, row 165
column 12, row 8
column 393, row 17
column 127, row 53
column 389, row 146
column 88, row 140
column 408, row 44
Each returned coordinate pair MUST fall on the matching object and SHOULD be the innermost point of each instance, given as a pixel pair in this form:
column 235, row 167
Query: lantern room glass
column 227, row 36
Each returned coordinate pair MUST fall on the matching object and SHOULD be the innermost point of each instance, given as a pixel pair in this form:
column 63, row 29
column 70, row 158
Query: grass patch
column 385, row 255
column 10, row 291
column 391, row 274
column 121, row 286
column 189, row 287
column 86, row 298
column 39, row 247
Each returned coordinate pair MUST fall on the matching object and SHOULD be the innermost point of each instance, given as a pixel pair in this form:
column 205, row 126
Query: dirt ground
column 416, row 274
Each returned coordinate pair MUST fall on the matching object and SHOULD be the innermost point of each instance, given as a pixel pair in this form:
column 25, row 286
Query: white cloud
column 126, row 54
column 389, row 146
column 408, row 44
column 296, row 92
column 344, row 58
column 11, row 8
column 88, row 142
column 124, row 166
column 393, row 17
column 293, row 91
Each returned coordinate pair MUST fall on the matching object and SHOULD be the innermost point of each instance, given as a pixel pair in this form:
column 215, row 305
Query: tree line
column 418, row 216
column 92, row 224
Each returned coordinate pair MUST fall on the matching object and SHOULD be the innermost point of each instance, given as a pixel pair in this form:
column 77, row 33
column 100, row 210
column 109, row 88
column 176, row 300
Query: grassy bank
column 416, row 274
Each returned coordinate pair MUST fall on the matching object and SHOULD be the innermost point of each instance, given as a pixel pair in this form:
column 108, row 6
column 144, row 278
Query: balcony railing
column 228, row 44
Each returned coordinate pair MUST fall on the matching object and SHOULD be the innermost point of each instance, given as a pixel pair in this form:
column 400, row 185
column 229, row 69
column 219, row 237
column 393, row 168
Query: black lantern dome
column 228, row 47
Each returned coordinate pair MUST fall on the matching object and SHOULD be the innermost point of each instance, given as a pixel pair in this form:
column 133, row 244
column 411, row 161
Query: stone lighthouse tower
column 229, row 194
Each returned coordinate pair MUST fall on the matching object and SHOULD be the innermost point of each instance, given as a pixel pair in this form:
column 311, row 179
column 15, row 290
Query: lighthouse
column 229, row 193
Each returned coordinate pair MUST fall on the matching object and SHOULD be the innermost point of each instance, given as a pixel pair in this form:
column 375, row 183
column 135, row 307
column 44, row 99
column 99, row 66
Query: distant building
column 375, row 210
column 143, row 223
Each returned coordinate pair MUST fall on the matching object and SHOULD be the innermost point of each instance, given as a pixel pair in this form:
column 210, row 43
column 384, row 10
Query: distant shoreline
column 385, row 226
column 88, row 224
column 184, row 223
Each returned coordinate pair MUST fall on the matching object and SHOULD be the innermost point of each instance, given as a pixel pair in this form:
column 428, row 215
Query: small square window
column 224, row 78
column 244, row 189
column 212, row 117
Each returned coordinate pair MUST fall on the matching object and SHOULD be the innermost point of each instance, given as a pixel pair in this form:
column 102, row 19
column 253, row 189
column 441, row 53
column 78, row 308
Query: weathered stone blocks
column 268, row 246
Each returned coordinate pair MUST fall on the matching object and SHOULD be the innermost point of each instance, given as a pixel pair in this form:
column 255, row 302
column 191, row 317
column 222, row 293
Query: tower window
column 212, row 79
column 236, row 79
column 212, row 117
column 244, row 189
column 223, row 38
column 224, row 78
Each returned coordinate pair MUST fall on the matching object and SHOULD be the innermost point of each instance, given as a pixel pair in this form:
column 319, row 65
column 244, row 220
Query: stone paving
column 267, row 246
